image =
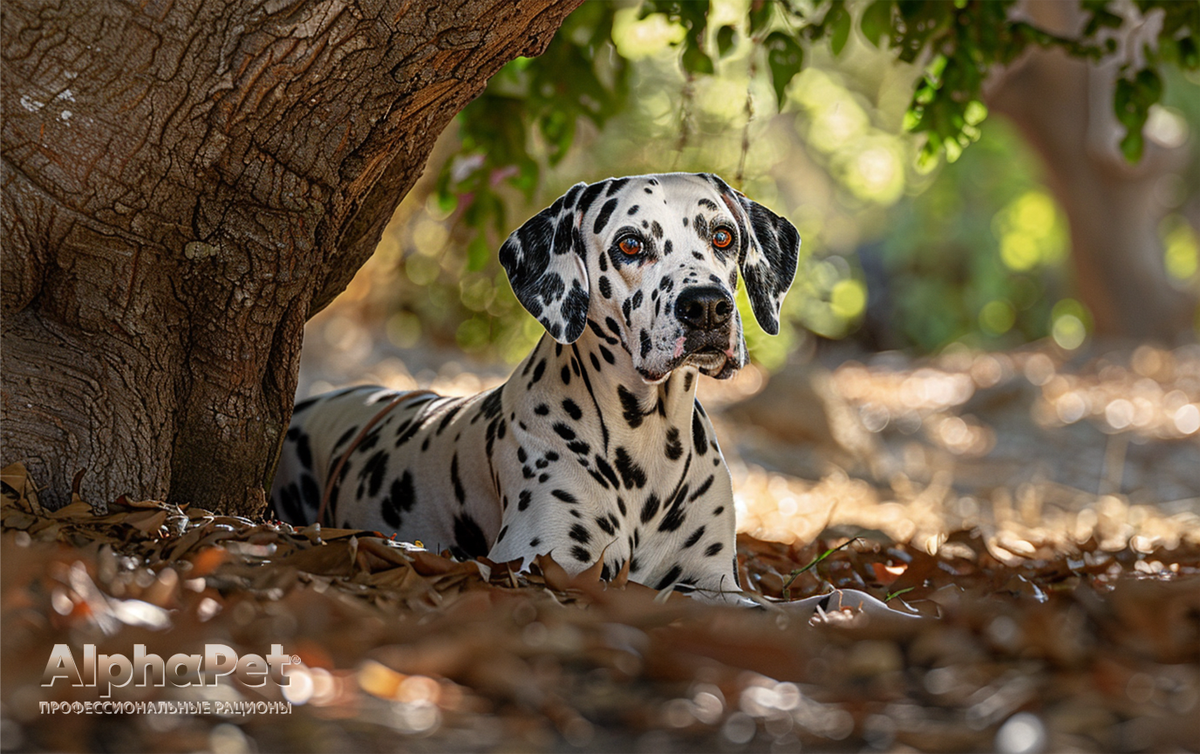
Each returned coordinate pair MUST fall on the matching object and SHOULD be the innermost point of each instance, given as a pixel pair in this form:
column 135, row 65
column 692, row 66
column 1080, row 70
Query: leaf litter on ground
column 1046, row 631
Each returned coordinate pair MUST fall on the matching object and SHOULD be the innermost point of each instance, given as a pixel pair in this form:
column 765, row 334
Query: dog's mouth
column 707, row 359
column 708, row 352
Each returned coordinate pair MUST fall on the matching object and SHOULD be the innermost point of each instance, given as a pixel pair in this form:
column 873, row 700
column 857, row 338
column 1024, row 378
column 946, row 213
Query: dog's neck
column 615, row 386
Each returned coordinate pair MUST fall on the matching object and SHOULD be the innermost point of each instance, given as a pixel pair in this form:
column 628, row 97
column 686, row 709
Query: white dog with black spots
column 596, row 447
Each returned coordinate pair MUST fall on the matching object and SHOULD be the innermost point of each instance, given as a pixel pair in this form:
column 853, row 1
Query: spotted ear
column 544, row 260
column 768, row 261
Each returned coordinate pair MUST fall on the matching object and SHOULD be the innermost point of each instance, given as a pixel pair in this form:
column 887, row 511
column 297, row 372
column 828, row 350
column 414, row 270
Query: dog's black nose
column 704, row 308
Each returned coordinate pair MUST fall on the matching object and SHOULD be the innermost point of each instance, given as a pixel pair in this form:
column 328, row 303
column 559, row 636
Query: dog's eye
column 722, row 238
column 631, row 245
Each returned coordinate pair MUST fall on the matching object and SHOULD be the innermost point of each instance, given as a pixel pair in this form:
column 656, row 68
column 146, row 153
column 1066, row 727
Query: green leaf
column 841, row 29
column 812, row 564
column 785, row 58
column 892, row 595
column 1189, row 55
column 1132, row 146
column 760, row 15
column 876, row 22
column 725, row 40
column 695, row 60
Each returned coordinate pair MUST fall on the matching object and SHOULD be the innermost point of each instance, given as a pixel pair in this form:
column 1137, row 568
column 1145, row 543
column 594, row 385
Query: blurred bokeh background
column 896, row 255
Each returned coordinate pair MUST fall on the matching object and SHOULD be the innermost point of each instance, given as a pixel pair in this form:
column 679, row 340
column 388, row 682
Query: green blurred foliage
column 834, row 114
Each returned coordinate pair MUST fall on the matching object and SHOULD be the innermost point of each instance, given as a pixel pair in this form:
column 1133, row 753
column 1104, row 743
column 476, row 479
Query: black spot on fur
column 311, row 494
column 699, row 438
column 469, row 536
column 574, row 309
column 589, row 195
column 580, row 534
column 650, row 508
column 675, row 512
column 674, row 447
column 694, row 538
column 538, row 371
column 459, row 493
column 713, row 549
column 605, row 286
column 535, row 541
column 524, row 499
column 645, row 343
column 701, row 489
column 406, row 431
column 607, row 471
column 346, row 437
column 581, row 554
column 605, row 213
column 304, row 451
column 572, row 409
column 541, row 409
column 670, row 578
column 302, row 405
column 605, row 525
column 373, row 472
column 401, row 497
column 607, row 355
column 565, row 496
column 449, row 417
column 630, row 408
column 631, row 473
column 492, row 405
column 564, row 431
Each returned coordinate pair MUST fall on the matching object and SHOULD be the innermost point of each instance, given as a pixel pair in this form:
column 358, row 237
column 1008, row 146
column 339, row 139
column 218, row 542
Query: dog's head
column 656, row 259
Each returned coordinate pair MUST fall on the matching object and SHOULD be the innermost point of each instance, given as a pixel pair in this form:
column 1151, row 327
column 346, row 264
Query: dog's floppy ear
column 544, row 259
column 768, row 261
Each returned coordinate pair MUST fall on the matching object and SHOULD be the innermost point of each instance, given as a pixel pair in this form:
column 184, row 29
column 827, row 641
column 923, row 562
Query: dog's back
column 321, row 428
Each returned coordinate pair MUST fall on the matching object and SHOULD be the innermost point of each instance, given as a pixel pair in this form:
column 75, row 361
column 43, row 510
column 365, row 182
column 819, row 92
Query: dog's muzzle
column 706, row 313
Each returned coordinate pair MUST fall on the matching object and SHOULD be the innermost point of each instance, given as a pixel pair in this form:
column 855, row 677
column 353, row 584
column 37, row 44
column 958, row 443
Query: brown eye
column 722, row 238
column 631, row 245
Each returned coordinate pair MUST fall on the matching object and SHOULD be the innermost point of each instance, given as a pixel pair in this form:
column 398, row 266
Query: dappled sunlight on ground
column 1054, row 555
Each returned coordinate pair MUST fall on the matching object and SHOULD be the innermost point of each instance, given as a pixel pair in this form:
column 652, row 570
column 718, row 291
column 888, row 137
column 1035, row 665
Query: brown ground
column 1047, row 513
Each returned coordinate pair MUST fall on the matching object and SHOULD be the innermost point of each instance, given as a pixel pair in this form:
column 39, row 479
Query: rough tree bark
column 1063, row 108
column 185, row 182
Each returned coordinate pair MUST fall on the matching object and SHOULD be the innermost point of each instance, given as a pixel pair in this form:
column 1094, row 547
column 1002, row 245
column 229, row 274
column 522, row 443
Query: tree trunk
column 1063, row 107
column 184, row 184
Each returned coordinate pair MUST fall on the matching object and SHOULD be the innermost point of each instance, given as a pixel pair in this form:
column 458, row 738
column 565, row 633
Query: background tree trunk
column 1063, row 108
column 184, row 184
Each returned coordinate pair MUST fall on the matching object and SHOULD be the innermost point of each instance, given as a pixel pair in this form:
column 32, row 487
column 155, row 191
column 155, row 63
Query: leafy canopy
column 581, row 77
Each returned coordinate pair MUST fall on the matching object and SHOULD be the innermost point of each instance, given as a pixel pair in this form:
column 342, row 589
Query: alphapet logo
column 152, row 671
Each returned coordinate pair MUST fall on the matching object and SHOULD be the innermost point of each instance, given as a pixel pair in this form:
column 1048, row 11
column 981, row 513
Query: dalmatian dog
column 596, row 447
